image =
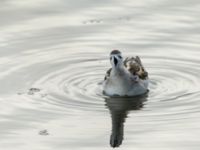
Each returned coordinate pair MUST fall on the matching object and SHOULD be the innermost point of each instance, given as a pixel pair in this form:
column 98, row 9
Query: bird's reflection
column 119, row 108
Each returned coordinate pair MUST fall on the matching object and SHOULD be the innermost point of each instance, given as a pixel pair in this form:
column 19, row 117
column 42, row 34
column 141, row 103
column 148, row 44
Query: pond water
column 53, row 58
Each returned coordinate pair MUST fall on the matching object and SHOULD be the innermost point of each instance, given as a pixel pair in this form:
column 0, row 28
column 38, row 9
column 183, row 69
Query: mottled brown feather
column 135, row 67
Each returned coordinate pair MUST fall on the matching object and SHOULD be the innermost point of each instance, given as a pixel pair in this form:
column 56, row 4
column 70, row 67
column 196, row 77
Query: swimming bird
column 126, row 77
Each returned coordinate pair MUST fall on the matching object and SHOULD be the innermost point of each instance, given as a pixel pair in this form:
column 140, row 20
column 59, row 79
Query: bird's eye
column 120, row 57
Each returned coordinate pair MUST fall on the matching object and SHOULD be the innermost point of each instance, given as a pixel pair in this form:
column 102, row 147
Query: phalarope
column 126, row 77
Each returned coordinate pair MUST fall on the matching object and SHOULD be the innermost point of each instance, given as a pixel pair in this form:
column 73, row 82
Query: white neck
column 118, row 70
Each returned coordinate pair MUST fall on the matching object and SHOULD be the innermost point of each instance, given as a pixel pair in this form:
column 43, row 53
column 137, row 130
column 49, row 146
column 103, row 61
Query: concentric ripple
column 174, row 87
column 77, row 84
column 53, row 58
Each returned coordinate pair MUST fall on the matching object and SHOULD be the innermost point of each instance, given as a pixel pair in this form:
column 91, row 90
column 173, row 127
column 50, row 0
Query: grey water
column 53, row 58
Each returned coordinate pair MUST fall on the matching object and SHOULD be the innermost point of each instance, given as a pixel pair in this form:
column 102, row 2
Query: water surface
column 54, row 55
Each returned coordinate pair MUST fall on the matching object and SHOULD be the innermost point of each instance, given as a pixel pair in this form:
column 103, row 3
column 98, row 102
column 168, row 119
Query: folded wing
column 134, row 66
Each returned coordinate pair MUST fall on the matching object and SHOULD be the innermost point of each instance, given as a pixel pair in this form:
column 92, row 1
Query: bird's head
column 116, row 59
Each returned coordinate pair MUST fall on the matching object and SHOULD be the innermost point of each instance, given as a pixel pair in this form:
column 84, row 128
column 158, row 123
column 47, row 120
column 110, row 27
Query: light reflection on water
column 54, row 54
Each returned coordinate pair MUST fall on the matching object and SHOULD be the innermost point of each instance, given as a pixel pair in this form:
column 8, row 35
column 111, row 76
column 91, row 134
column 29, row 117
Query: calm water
column 53, row 57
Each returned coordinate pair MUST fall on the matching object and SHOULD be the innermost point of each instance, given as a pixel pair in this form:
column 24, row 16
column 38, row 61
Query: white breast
column 124, row 87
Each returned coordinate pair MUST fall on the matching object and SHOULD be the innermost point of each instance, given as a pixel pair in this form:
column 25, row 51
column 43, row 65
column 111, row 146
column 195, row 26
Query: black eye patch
column 120, row 57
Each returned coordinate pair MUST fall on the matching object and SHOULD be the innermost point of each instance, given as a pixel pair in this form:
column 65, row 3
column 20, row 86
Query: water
column 53, row 58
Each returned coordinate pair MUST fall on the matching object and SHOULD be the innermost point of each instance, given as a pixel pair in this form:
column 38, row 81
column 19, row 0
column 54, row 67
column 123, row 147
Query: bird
column 127, row 77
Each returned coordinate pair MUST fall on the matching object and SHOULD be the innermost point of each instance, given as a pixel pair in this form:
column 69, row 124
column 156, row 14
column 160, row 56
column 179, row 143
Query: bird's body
column 125, row 78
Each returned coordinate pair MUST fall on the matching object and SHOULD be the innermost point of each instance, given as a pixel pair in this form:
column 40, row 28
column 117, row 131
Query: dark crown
column 114, row 52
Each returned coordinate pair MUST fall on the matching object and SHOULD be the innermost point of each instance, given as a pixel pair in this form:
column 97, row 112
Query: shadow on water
column 119, row 108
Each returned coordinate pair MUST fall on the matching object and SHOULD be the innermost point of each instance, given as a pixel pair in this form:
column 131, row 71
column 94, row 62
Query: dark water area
column 53, row 58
